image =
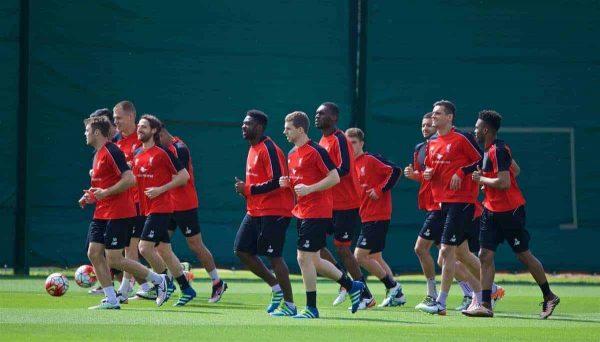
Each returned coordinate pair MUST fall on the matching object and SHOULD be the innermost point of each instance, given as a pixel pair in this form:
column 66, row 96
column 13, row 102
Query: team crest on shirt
column 294, row 171
column 362, row 171
column 299, row 161
column 143, row 169
column 439, row 156
column 448, row 147
column 255, row 159
column 150, row 161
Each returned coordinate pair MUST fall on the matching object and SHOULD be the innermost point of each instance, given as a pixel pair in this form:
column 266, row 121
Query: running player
column 113, row 216
column 451, row 156
column 346, row 197
column 503, row 216
column 376, row 177
column 311, row 175
column 127, row 140
column 185, row 214
column 157, row 172
column 269, row 210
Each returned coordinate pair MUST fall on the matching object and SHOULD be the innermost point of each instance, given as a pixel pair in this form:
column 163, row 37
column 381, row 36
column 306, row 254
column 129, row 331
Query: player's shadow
column 178, row 311
column 553, row 318
column 378, row 320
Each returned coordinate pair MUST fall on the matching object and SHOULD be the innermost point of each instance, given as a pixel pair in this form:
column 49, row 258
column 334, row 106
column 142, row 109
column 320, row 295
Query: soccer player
column 269, row 210
column 127, row 140
column 113, row 216
column 376, row 177
column 185, row 214
column 503, row 216
column 346, row 197
column 451, row 157
column 431, row 232
column 311, row 175
column 157, row 172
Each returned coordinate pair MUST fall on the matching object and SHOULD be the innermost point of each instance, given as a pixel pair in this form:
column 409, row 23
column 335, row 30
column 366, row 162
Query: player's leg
column 430, row 233
column 97, row 257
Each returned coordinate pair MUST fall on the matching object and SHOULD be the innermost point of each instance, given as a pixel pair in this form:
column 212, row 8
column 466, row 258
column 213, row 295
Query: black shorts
column 263, row 235
column 187, row 221
column 156, row 228
column 508, row 225
column 372, row 236
column 432, row 227
column 344, row 223
column 473, row 235
column 140, row 220
column 457, row 219
column 312, row 233
column 113, row 234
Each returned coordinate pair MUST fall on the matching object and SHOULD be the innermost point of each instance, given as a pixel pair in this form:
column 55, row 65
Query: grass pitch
column 27, row 312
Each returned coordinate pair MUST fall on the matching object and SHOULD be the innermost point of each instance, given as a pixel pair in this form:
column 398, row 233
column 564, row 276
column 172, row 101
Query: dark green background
column 200, row 67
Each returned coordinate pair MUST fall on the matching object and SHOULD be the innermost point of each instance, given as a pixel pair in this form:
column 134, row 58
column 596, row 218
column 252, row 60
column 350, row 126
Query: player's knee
column 447, row 254
column 303, row 259
column 486, row 257
column 343, row 251
column 523, row 257
column 146, row 249
column 114, row 259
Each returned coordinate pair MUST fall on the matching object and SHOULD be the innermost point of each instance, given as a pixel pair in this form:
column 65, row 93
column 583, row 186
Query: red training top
column 346, row 194
column 374, row 172
column 453, row 153
column 264, row 166
column 155, row 167
column 498, row 158
column 309, row 164
column 184, row 197
column 108, row 166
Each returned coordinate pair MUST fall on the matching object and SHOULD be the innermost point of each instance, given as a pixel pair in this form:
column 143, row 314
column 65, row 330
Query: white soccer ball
column 56, row 284
column 85, row 276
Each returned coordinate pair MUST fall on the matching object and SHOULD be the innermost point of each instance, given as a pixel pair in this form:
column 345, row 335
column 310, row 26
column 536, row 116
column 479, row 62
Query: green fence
column 200, row 67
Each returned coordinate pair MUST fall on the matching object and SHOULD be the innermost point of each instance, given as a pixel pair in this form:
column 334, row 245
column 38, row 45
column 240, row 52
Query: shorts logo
column 306, row 244
column 188, row 230
column 453, row 239
column 363, row 242
column 517, row 242
column 114, row 242
column 270, row 249
column 427, row 232
column 345, row 235
column 151, row 234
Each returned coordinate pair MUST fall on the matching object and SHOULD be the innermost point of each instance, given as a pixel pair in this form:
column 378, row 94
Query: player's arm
column 180, row 177
column 503, row 164
column 515, row 168
column 119, row 165
column 413, row 173
column 474, row 154
column 344, row 167
column 330, row 180
column 391, row 174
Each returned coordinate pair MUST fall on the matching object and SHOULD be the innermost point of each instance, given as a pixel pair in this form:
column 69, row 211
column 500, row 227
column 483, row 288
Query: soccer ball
column 57, row 284
column 189, row 276
column 85, row 276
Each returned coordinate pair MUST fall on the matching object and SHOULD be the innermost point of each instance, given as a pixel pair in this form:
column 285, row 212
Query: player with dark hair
column 346, row 197
column 185, row 213
column 377, row 176
column 311, row 175
column 503, row 216
column 451, row 156
column 113, row 216
column 157, row 172
column 269, row 210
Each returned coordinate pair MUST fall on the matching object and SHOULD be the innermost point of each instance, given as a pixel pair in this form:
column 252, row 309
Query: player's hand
column 455, row 182
column 409, row 171
column 372, row 194
column 89, row 196
column 284, row 182
column 302, row 190
column 476, row 175
column 427, row 174
column 82, row 202
column 153, row 192
column 98, row 193
column 240, row 187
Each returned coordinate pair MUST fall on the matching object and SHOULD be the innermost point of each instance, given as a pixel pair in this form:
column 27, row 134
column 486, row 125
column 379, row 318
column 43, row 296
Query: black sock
column 345, row 281
column 366, row 293
column 486, row 296
column 311, row 299
column 182, row 281
column 388, row 281
column 545, row 287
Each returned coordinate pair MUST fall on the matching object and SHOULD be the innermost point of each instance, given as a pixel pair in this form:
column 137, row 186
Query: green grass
column 28, row 313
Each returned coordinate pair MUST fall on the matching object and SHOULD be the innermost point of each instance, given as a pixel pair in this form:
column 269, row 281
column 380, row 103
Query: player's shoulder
column 112, row 148
column 316, row 147
column 420, row 145
column 464, row 134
